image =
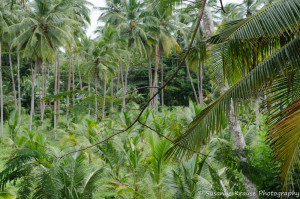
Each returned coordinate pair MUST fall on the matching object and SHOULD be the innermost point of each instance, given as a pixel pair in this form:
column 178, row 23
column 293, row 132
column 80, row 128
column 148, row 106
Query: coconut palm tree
column 101, row 63
column 274, row 65
column 46, row 27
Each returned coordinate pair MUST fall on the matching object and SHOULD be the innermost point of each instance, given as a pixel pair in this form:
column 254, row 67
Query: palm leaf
column 280, row 17
column 210, row 120
column 284, row 137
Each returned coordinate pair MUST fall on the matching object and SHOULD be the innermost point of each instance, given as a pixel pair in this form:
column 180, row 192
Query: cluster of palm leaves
column 249, row 56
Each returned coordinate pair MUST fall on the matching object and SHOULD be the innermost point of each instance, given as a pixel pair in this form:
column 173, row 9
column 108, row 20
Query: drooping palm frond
column 284, row 137
column 208, row 122
column 276, row 19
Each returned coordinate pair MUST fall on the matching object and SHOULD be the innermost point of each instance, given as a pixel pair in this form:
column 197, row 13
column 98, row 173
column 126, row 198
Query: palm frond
column 210, row 120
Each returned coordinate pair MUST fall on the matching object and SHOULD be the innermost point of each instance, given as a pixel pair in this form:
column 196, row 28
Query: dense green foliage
column 75, row 121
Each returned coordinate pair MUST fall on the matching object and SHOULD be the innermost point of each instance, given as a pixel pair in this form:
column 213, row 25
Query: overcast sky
column 101, row 3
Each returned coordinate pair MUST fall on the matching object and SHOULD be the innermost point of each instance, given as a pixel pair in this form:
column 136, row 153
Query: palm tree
column 165, row 40
column 42, row 32
column 132, row 22
column 278, row 63
column 101, row 63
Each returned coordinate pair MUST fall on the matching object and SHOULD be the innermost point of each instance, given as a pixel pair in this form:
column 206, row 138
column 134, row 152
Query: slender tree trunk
column 123, row 87
column 150, row 80
column 43, row 94
column 13, row 81
column 89, row 89
column 103, row 104
column 1, row 91
column 96, row 101
column 191, row 80
column 112, row 92
column 33, row 73
column 162, row 83
column 118, row 81
column 200, row 82
column 155, row 84
column 257, row 110
column 58, row 89
column 19, row 88
column 69, row 87
column 73, row 82
column 55, row 102
column 79, row 74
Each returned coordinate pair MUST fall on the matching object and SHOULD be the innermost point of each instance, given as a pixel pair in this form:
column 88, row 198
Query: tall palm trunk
column 55, row 102
column 191, row 80
column 13, row 81
column 150, row 79
column 118, row 80
column 96, row 101
column 89, row 90
column 257, row 110
column 123, row 86
column 1, row 92
column 33, row 73
column 103, row 103
column 79, row 74
column 69, row 87
column 73, row 83
column 58, row 89
column 19, row 88
column 43, row 94
column 112, row 91
column 162, row 82
column 155, row 83
column 200, row 75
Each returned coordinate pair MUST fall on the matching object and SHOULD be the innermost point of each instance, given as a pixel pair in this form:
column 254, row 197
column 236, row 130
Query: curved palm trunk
column 1, row 92
column 103, row 103
column 13, row 81
column 33, row 73
column 19, row 89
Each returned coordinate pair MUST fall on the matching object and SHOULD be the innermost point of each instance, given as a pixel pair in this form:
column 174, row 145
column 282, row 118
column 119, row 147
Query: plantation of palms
column 165, row 99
